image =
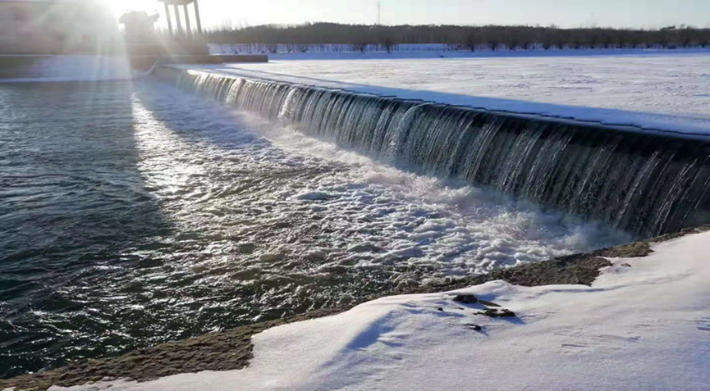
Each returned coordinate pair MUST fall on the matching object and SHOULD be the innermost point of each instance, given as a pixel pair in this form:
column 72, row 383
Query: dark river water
column 132, row 215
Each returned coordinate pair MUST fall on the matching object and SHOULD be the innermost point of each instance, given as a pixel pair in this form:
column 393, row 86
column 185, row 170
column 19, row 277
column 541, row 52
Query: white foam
column 445, row 228
column 458, row 228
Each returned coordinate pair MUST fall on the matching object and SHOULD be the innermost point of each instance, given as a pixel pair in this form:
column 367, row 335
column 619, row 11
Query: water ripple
column 131, row 216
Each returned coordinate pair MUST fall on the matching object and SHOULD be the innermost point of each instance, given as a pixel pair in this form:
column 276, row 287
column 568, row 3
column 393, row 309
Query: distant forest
column 472, row 38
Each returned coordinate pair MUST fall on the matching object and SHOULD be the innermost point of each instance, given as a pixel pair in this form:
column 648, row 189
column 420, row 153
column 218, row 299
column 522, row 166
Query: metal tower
column 379, row 12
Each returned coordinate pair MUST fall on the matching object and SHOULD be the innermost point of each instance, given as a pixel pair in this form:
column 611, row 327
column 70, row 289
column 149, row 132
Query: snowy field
column 644, row 324
column 656, row 90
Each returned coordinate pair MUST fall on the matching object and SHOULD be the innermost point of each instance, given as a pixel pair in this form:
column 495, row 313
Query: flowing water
column 133, row 214
column 642, row 182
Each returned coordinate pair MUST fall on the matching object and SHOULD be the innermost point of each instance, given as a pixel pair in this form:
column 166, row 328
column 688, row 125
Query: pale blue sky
column 566, row 13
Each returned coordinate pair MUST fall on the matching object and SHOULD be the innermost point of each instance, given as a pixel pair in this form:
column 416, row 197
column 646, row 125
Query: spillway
column 648, row 183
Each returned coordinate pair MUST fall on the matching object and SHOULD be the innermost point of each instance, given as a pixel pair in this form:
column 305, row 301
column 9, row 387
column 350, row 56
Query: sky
column 564, row 13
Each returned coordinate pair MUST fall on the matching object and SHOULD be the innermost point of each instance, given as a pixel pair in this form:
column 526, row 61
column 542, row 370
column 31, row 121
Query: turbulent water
column 644, row 183
column 133, row 214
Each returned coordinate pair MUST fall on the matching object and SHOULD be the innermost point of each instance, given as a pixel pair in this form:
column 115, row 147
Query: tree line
column 471, row 38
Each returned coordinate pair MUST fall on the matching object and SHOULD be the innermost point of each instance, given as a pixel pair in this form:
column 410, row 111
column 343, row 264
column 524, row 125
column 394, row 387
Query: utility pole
column 379, row 12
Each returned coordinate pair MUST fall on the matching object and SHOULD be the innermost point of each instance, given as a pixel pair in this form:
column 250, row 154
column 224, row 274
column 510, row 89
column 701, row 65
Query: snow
column 644, row 324
column 377, row 51
column 656, row 90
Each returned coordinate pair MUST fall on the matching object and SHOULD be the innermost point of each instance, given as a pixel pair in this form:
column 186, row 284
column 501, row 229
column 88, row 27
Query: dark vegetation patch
column 231, row 350
column 16, row 66
column 314, row 37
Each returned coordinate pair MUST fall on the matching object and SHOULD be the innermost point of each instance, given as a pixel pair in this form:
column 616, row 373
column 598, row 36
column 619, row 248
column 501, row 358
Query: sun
column 119, row 7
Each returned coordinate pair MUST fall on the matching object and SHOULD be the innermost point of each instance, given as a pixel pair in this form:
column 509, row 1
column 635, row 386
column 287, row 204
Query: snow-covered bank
column 665, row 91
column 644, row 324
column 414, row 51
column 438, row 53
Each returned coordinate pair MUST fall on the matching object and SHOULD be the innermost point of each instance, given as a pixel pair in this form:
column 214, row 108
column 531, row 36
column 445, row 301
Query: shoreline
column 232, row 349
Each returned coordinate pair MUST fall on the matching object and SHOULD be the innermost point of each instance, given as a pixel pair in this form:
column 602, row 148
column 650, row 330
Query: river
column 132, row 214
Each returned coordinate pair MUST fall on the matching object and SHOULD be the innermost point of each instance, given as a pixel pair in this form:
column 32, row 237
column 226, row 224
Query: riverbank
column 234, row 349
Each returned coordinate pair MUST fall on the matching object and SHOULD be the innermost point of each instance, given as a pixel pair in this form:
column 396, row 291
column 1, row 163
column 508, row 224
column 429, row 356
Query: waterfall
column 643, row 182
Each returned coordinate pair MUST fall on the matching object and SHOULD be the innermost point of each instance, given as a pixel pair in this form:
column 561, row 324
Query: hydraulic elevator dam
column 648, row 183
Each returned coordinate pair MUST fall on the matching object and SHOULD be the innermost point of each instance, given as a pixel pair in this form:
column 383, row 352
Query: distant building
column 139, row 26
column 56, row 27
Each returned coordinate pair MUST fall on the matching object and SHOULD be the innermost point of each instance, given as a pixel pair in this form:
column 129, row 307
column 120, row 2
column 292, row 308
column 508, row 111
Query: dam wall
column 648, row 183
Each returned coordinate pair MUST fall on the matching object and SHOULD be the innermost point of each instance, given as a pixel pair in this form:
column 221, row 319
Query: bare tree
column 609, row 38
column 665, row 36
column 336, row 37
column 547, row 39
column 472, row 40
column 360, row 47
column 491, row 37
column 704, row 38
column 686, row 36
column 386, row 38
column 530, row 37
column 512, row 38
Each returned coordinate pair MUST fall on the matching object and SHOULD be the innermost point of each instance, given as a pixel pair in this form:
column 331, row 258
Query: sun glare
column 119, row 7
